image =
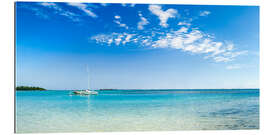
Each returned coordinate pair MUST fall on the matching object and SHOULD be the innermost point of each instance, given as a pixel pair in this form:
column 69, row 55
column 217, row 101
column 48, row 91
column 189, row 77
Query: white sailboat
column 87, row 91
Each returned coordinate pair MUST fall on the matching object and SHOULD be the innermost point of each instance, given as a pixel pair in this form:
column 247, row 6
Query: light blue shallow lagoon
column 137, row 110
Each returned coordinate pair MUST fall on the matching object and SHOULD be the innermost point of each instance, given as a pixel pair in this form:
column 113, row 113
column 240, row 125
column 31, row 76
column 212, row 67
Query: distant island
column 28, row 88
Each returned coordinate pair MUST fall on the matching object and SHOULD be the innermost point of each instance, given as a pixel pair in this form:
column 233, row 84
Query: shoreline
column 153, row 89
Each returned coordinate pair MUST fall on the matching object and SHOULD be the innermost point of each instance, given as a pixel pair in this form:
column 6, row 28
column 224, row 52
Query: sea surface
column 137, row 110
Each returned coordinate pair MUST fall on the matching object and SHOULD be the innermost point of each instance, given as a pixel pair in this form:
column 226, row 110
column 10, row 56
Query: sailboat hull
column 85, row 92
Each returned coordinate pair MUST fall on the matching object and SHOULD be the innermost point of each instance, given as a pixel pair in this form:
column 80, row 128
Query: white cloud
column 118, row 40
column 121, row 24
column 127, row 39
column 114, row 38
column 182, row 30
column 84, row 8
column 58, row 10
column 196, row 42
column 117, row 17
column 222, row 59
column 117, row 21
column 104, row 4
column 184, row 23
column 128, row 5
column 162, row 15
column 132, row 5
column 103, row 38
column 37, row 11
column 48, row 4
column 193, row 36
column 143, row 21
column 205, row 13
column 188, row 40
column 177, row 43
column 236, row 66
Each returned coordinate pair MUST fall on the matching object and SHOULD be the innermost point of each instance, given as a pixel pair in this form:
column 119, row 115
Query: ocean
column 137, row 110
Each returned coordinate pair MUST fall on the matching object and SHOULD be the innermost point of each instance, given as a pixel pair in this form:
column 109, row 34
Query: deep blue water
column 137, row 110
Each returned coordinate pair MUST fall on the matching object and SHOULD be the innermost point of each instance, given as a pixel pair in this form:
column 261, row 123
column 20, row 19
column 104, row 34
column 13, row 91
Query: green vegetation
column 28, row 88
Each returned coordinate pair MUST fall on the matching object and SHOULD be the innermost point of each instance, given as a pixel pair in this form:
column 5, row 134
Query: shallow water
column 136, row 110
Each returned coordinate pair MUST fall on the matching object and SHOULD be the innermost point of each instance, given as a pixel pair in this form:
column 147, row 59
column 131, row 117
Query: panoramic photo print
column 110, row 67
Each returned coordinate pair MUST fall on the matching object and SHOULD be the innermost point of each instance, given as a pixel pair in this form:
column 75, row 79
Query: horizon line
column 161, row 89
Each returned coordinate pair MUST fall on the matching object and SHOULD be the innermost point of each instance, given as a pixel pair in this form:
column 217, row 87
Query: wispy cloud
column 183, row 36
column 117, row 17
column 128, row 5
column 84, row 8
column 132, row 5
column 184, row 23
column 38, row 12
column 104, row 4
column 60, row 11
column 235, row 66
column 114, row 38
column 198, row 42
column 40, row 8
column 186, row 39
column 118, row 21
column 143, row 21
column 34, row 9
column 205, row 13
column 162, row 15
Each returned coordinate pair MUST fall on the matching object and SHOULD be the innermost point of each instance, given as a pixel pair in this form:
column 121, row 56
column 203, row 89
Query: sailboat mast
column 88, row 78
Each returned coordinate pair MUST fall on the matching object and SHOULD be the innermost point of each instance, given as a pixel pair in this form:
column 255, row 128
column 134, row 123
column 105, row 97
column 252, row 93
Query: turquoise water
column 136, row 110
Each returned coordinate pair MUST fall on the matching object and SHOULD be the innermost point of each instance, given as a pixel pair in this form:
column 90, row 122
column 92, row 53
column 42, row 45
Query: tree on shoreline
column 28, row 88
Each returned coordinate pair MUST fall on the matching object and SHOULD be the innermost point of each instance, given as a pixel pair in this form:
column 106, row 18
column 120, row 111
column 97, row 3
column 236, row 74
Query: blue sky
column 144, row 46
